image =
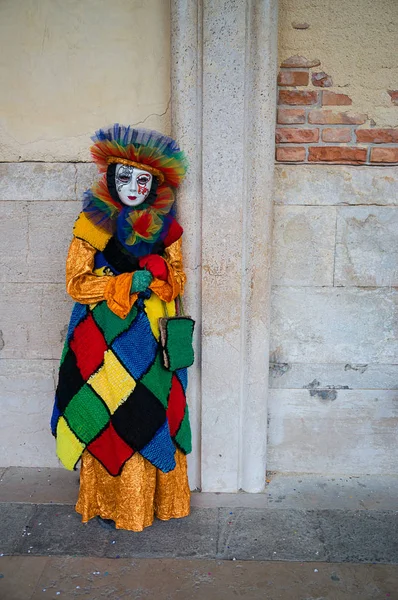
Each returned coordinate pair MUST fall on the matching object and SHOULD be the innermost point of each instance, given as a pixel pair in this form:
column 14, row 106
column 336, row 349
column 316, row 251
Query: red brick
column 337, row 154
column 293, row 78
column 290, row 135
column 327, row 117
column 300, row 62
column 336, row 134
column 290, row 154
column 333, row 99
column 377, row 136
column 394, row 96
column 291, row 116
column 293, row 97
column 384, row 155
column 321, row 79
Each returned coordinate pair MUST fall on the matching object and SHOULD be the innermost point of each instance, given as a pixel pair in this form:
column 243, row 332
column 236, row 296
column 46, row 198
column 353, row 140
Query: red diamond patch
column 176, row 406
column 89, row 346
column 111, row 450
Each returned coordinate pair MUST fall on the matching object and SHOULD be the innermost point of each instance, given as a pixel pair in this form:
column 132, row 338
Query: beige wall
column 69, row 67
column 356, row 43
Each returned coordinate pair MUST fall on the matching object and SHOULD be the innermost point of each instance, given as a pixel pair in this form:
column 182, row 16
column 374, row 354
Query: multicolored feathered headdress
column 142, row 148
column 138, row 228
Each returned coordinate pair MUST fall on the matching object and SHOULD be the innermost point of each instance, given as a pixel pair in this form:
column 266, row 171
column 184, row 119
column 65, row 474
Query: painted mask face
column 133, row 185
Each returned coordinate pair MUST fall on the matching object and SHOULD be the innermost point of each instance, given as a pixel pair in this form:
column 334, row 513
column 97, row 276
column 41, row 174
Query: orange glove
column 155, row 264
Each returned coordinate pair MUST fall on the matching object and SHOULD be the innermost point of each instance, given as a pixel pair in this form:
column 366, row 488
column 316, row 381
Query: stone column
column 223, row 114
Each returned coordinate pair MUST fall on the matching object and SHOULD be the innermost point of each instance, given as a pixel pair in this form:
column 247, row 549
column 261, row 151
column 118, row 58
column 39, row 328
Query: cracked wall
column 68, row 68
column 355, row 43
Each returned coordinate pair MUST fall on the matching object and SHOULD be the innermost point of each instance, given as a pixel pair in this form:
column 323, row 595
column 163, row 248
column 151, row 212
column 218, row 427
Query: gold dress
column 142, row 491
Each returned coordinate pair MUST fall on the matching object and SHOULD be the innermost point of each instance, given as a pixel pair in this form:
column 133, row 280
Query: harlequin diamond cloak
column 114, row 396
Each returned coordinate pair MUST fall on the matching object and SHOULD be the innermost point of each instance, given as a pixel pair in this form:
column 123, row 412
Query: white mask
column 132, row 185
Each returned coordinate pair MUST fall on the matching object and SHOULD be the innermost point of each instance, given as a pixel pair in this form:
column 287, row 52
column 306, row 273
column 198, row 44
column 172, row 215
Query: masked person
column 117, row 406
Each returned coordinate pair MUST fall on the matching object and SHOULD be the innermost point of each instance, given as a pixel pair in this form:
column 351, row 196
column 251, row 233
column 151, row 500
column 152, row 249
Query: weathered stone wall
column 334, row 347
column 38, row 205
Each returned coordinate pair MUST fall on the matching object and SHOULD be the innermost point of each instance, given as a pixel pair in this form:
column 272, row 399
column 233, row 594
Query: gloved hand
column 155, row 264
column 141, row 281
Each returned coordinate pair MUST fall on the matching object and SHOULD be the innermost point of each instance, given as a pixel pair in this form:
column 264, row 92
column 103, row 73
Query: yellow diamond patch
column 112, row 382
column 154, row 307
column 69, row 448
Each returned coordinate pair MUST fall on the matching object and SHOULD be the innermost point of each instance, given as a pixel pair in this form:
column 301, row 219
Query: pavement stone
column 69, row 578
column 57, row 529
column 244, row 534
column 15, row 522
column 360, row 536
column 193, row 536
column 267, row 534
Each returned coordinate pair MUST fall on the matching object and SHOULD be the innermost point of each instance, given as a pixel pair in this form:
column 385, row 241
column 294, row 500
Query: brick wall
column 316, row 125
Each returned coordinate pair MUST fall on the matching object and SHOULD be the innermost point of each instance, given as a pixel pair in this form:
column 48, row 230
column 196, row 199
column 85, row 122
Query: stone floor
column 41, row 578
column 306, row 538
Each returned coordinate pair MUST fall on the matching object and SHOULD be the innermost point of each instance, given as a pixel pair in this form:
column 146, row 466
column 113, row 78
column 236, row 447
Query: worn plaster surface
column 81, row 66
column 354, row 41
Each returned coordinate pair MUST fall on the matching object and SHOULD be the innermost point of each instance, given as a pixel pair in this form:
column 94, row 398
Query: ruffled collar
column 137, row 228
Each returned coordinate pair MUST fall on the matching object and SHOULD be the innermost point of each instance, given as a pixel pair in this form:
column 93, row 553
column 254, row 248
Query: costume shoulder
column 174, row 233
column 85, row 230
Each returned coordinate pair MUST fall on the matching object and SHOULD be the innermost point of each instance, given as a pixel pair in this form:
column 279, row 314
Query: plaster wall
column 68, row 68
column 356, row 44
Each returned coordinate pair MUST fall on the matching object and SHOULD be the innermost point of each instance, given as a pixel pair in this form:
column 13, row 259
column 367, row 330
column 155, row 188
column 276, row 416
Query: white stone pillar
column 223, row 114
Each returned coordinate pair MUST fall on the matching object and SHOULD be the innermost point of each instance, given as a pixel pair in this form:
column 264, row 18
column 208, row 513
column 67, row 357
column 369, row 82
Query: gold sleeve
column 81, row 283
column 86, row 287
column 173, row 255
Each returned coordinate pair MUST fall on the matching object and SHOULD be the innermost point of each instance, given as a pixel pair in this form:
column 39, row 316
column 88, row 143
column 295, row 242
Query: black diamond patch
column 69, row 382
column 139, row 417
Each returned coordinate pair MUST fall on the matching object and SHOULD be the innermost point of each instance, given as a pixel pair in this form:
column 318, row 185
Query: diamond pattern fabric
column 114, row 396
column 138, row 419
column 183, row 437
column 160, row 450
column 69, row 382
column 86, row 414
column 112, row 382
column 182, row 375
column 111, row 450
column 176, row 406
column 157, row 309
column 78, row 313
column 110, row 324
column 89, row 346
column 136, row 347
column 69, row 448
column 158, row 380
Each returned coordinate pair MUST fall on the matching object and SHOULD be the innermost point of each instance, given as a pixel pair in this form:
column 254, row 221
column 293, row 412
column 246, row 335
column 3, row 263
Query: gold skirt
column 135, row 497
